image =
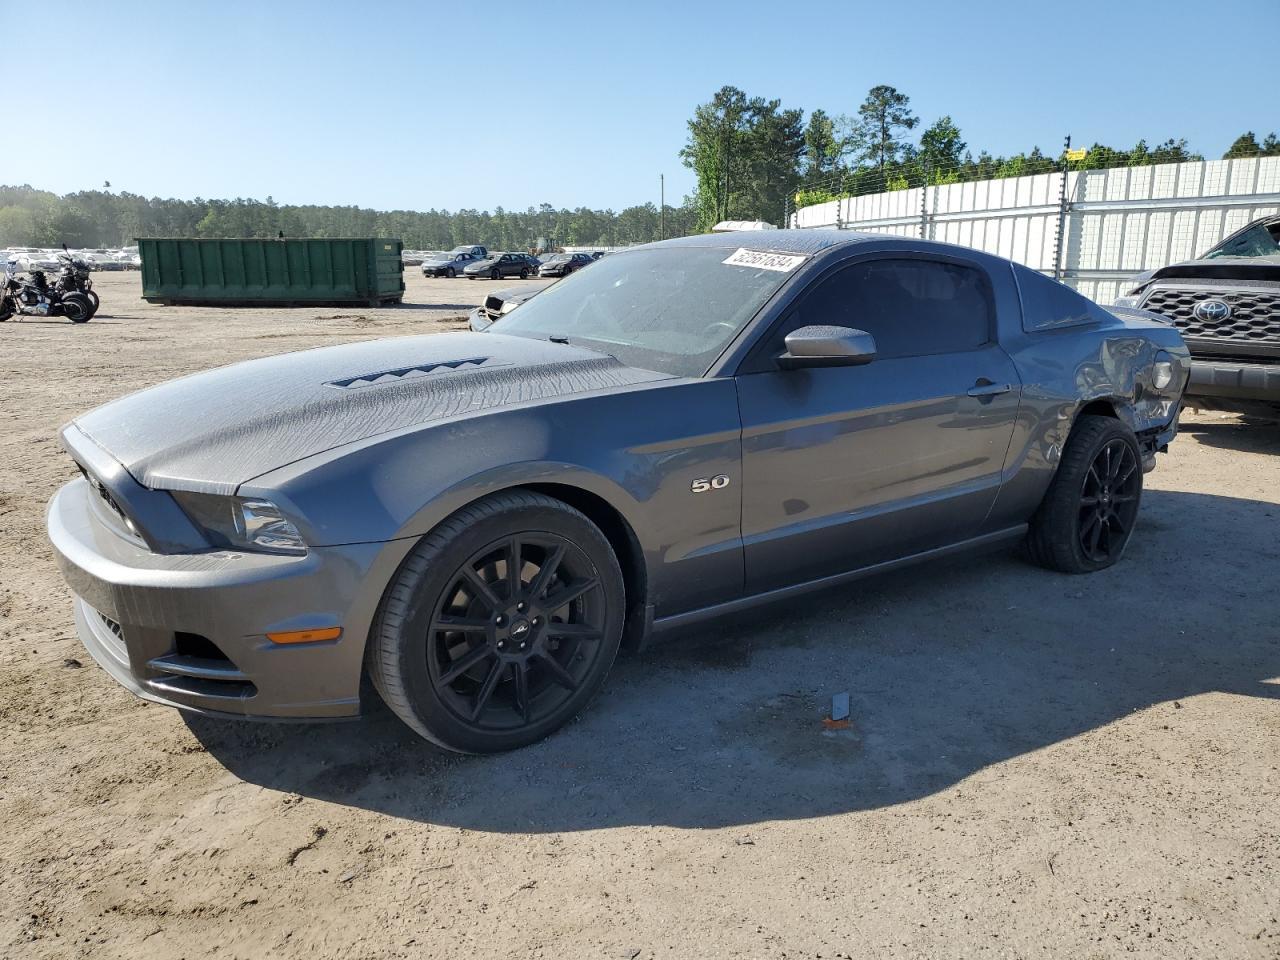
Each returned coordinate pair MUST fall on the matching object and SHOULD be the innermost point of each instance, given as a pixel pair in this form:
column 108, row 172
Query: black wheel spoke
column 520, row 674
column 572, row 631
column 1095, row 535
column 487, row 688
column 460, row 624
column 464, row 663
column 558, row 673
column 570, row 593
column 480, row 589
column 514, row 564
column 1124, row 477
column 550, row 564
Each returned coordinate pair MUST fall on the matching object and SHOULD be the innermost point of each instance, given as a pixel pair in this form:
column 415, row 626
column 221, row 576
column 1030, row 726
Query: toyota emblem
column 1212, row 311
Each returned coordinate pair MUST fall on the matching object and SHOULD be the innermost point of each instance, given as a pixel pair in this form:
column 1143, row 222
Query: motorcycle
column 34, row 297
column 73, row 277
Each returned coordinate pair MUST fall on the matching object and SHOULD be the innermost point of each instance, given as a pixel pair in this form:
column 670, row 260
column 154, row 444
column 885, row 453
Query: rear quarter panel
column 1065, row 368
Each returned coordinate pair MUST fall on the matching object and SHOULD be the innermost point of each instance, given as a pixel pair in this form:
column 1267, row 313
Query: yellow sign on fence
column 1077, row 154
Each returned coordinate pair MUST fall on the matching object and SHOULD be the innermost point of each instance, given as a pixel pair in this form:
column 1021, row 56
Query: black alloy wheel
column 1090, row 509
column 1109, row 502
column 516, row 631
column 495, row 274
column 500, row 625
column 524, row 273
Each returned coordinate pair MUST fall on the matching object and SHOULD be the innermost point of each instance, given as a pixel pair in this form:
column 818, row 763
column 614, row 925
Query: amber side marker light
column 305, row 636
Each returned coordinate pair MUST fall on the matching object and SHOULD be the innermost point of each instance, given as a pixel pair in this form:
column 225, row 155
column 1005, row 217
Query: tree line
column 102, row 218
column 755, row 160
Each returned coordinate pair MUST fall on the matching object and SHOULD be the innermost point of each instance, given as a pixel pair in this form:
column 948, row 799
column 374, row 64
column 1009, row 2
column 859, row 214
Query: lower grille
column 1251, row 317
column 117, row 632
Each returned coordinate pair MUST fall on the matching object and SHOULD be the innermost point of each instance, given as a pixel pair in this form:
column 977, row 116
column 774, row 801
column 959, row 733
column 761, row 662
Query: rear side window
column 911, row 307
column 1046, row 303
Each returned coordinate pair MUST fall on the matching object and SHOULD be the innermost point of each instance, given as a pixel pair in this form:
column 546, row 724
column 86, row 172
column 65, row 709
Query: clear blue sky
column 582, row 103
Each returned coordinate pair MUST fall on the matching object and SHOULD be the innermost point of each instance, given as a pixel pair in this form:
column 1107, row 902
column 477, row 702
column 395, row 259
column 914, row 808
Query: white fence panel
column 1119, row 222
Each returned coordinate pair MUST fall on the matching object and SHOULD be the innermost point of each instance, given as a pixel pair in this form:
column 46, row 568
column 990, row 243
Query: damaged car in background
column 498, row 305
column 1227, row 305
column 479, row 521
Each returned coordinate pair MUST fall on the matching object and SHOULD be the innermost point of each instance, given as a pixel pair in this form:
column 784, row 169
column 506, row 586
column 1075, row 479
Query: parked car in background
column 689, row 429
column 475, row 251
column 499, row 265
column 447, row 264
column 563, row 264
column 1227, row 305
column 497, row 305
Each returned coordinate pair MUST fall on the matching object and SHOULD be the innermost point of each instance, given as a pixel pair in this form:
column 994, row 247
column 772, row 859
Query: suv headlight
column 241, row 523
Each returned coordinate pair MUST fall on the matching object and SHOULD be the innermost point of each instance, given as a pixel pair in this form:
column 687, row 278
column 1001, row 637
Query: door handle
column 985, row 388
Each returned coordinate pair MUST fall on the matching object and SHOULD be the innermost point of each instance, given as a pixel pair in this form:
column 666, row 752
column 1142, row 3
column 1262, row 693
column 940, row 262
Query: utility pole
column 1059, row 242
column 662, row 204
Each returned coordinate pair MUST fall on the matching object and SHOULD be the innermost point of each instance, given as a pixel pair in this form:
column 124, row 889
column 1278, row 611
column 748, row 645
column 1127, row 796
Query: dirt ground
column 1038, row 765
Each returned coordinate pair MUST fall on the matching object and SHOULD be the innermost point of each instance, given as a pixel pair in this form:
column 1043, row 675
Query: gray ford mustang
column 687, row 429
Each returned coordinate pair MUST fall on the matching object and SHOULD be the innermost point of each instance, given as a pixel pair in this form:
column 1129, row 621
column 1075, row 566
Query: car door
column 846, row 467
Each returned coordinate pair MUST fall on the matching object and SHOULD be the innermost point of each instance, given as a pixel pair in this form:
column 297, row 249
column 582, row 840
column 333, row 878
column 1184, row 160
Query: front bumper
column 1228, row 380
column 189, row 630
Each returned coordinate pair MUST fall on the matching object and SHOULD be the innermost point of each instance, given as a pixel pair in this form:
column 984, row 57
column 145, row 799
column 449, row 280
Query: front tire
column 1088, row 514
column 451, row 273
column 495, row 274
column 500, row 626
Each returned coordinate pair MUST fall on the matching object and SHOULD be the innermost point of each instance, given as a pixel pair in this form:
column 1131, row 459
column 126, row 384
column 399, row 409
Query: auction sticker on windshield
column 781, row 262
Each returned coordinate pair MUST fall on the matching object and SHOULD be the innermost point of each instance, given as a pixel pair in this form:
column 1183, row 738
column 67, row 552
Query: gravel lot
column 1038, row 765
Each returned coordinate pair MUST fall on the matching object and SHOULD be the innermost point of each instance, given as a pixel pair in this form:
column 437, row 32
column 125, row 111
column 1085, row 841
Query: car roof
column 776, row 241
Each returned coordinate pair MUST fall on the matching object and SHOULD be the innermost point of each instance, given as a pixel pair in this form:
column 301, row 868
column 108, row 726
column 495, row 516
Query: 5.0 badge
column 703, row 484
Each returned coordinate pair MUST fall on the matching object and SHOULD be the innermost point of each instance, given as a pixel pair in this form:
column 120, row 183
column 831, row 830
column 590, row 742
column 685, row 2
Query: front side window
column 912, row 307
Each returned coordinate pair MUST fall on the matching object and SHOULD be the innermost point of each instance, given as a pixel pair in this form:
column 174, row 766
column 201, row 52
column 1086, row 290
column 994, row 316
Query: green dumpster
column 284, row 272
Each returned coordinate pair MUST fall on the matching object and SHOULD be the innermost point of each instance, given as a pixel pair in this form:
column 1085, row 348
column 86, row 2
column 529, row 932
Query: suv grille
column 1254, row 316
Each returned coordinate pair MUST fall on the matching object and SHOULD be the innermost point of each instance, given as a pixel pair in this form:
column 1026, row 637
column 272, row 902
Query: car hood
column 216, row 430
column 1265, row 269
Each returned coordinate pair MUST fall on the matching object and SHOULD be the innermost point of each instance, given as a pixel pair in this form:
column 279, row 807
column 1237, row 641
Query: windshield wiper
column 558, row 338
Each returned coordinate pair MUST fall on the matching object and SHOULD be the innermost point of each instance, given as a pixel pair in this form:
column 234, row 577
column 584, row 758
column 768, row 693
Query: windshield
column 669, row 309
column 554, row 257
column 1260, row 240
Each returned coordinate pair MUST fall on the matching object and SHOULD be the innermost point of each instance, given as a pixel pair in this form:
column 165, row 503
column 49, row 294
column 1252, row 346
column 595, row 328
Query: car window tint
column 1047, row 303
column 911, row 307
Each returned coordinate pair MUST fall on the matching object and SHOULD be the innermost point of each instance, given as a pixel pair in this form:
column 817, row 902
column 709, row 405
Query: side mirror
column 827, row 347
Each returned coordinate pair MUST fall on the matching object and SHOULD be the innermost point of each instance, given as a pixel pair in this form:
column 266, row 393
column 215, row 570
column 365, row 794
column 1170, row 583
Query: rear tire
column 451, row 273
column 480, row 654
column 77, row 308
column 1088, row 514
column 495, row 274
column 524, row 273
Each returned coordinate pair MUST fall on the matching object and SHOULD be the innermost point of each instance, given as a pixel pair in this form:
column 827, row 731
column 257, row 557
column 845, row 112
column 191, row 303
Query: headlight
column 1161, row 374
column 508, row 306
column 241, row 523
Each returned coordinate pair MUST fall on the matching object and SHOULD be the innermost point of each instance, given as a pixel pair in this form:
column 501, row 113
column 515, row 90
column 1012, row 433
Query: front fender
column 639, row 449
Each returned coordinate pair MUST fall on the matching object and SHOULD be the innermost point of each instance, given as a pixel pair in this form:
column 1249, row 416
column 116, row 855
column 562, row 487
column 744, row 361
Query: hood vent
column 406, row 373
